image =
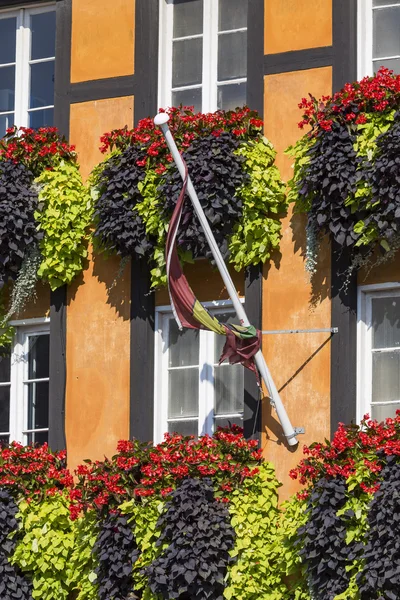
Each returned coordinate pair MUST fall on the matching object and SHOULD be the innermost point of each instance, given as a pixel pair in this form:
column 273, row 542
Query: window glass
column 183, row 346
column 41, row 118
column 188, row 18
column 183, row 427
column 232, row 14
column 43, row 31
column 5, row 122
column 4, row 409
column 386, row 322
column 191, row 97
column 42, row 84
column 38, row 405
column 187, row 62
column 231, row 96
column 5, row 365
column 384, row 2
column 232, row 55
column 8, row 28
column 386, row 27
column 183, row 393
column 7, row 88
column 386, row 376
column 38, row 359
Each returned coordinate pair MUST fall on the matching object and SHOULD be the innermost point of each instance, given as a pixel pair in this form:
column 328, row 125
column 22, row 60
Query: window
column 24, row 387
column 379, row 351
column 27, row 52
column 193, row 393
column 203, row 53
column 378, row 35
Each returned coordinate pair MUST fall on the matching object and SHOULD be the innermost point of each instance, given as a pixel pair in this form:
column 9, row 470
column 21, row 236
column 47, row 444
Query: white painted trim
column 364, row 38
column 365, row 294
column 29, row 322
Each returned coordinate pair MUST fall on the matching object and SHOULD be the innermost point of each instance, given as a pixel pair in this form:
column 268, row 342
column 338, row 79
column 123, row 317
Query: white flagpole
column 161, row 120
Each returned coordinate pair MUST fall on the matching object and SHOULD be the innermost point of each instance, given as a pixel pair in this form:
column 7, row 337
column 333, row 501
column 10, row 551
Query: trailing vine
column 346, row 177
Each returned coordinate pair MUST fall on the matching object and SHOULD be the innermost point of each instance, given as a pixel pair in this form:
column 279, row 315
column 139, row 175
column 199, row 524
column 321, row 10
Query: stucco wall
column 299, row 363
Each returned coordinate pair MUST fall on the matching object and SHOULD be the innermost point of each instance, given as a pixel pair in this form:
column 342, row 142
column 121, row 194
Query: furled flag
column 242, row 343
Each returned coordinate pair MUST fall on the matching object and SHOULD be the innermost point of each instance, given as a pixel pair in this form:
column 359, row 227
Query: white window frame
column 364, row 341
column 206, row 384
column 19, row 376
column 210, row 35
column 22, row 59
column 365, row 64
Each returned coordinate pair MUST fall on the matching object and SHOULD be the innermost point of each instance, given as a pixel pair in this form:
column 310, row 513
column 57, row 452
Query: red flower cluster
column 37, row 149
column 354, row 449
column 140, row 470
column 33, row 471
column 185, row 126
column 353, row 102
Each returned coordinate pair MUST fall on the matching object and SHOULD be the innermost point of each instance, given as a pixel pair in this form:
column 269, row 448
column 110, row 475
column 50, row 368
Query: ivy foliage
column 116, row 551
column 197, row 527
column 45, row 549
column 257, row 572
column 18, row 202
column 258, row 232
column 64, row 216
column 13, row 584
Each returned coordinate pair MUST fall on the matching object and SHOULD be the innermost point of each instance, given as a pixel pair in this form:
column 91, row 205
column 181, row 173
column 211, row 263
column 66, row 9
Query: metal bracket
column 297, row 431
column 327, row 330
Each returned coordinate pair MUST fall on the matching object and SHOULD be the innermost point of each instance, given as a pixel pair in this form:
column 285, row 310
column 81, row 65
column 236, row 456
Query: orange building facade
column 109, row 72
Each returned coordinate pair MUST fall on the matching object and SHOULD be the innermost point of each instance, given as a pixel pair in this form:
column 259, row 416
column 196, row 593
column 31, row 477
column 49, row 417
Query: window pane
column 232, row 14
column 5, row 122
column 231, row 96
column 40, row 437
column 4, row 440
column 229, row 389
column 187, row 62
column 43, row 29
column 188, row 17
column 183, row 346
column 38, row 405
column 219, row 340
column 386, row 32
column 183, row 393
column 380, row 412
column 188, row 98
column 8, row 33
column 41, row 118
column 183, row 427
column 232, row 55
column 384, row 2
column 4, row 408
column 5, row 365
column 227, row 421
column 385, row 376
column 7, row 88
column 389, row 63
column 386, row 322
column 42, row 84
column 38, row 359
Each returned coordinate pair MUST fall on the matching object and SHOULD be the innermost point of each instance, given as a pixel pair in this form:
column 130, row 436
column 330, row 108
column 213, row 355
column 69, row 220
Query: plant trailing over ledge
column 45, row 211
column 232, row 168
column 346, row 170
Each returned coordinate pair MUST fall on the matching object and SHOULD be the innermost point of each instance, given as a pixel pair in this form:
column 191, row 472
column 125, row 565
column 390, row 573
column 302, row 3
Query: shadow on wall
column 114, row 273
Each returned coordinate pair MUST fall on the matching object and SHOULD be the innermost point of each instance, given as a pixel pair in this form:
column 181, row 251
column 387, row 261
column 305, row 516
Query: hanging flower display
column 232, row 168
column 347, row 170
column 45, row 210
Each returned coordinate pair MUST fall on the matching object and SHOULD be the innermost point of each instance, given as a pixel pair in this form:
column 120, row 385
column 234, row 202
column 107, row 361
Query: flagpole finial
column 161, row 119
